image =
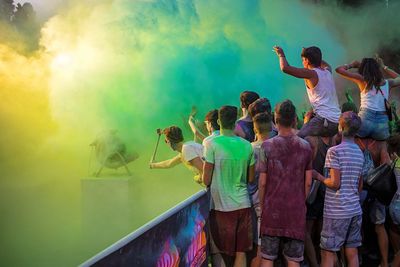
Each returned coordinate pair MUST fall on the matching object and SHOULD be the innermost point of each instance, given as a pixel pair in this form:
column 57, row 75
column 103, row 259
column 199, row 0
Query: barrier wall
column 175, row 238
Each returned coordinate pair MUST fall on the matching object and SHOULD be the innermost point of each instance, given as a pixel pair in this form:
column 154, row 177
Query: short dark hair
column 248, row 97
column 227, row 117
column 313, row 54
column 285, row 113
column 259, row 106
column 173, row 134
column 350, row 123
column 212, row 117
column 262, row 121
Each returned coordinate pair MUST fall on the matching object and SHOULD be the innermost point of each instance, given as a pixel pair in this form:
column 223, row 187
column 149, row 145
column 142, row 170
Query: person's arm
column 261, row 188
column 333, row 182
column 308, row 181
column 352, row 76
column 166, row 163
column 394, row 82
column 239, row 131
column 198, row 164
column 251, row 174
column 296, row 72
column 391, row 73
column 325, row 65
column 196, row 131
column 388, row 71
column 384, row 155
column 360, row 184
column 207, row 173
column 312, row 140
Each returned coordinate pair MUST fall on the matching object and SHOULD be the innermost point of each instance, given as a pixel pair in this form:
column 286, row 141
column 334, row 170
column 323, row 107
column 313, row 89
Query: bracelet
column 347, row 66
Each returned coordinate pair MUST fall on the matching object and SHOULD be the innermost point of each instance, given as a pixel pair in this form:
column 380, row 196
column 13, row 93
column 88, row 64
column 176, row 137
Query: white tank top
column 323, row 98
column 373, row 99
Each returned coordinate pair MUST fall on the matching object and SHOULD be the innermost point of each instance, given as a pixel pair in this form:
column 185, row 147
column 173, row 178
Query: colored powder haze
column 133, row 66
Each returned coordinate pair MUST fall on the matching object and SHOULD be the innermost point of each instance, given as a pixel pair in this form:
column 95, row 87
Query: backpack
column 368, row 164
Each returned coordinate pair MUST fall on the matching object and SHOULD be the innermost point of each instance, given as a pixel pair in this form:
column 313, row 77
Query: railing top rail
column 127, row 239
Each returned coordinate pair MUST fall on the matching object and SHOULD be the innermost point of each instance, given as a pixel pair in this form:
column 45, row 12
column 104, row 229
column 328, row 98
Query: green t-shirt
column 231, row 156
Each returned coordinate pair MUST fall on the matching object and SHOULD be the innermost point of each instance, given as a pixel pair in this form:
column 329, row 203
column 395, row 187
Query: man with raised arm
column 317, row 75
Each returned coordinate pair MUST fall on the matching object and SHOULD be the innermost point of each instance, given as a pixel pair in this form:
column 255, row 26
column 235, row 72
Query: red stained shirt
column 285, row 159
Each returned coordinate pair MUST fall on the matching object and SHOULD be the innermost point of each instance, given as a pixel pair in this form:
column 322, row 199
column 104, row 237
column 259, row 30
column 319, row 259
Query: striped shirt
column 345, row 202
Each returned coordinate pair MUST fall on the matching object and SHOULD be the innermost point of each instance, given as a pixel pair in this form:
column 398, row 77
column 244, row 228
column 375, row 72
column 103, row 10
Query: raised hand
column 279, row 51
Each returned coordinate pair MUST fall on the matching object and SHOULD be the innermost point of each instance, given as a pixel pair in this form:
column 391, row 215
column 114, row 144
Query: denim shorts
column 377, row 212
column 293, row 249
column 338, row 232
column 374, row 124
column 318, row 126
column 394, row 209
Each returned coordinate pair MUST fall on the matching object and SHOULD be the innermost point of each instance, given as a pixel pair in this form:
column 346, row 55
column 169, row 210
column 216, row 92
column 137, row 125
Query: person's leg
column 377, row 216
column 309, row 245
column 396, row 260
column 217, row 260
column 395, row 241
column 267, row 263
column 383, row 243
column 293, row 250
column 384, row 155
column 269, row 250
column 352, row 257
column 353, row 241
column 394, row 211
column 328, row 258
column 252, row 256
column 312, row 128
column 333, row 236
column 222, row 227
column 244, row 236
column 240, row 259
column 293, row 264
column 228, row 260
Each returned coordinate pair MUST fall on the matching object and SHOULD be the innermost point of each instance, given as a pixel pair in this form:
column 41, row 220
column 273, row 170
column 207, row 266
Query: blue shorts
column 377, row 212
column 374, row 124
column 338, row 232
column 293, row 249
column 394, row 209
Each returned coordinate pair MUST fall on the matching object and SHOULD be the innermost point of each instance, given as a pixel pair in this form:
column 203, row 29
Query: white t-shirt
column 210, row 137
column 191, row 150
column 373, row 99
column 323, row 97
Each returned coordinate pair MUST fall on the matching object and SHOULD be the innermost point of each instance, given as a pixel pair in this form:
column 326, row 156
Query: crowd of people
column 281, row 194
